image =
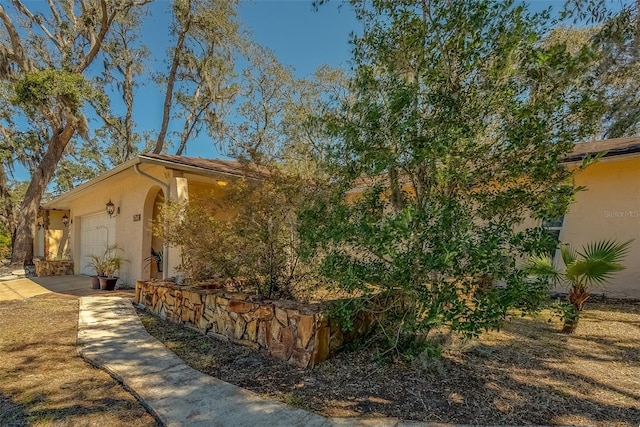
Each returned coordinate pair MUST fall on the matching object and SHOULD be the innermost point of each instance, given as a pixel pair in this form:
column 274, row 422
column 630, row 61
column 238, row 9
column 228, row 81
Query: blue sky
column 300, row 36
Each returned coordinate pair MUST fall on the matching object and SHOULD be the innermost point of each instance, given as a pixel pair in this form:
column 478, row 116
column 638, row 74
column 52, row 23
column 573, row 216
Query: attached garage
column 97, row 232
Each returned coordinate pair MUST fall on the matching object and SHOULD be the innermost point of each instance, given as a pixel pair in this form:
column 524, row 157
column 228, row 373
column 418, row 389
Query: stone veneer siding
column 287, row 330
column 53, row 268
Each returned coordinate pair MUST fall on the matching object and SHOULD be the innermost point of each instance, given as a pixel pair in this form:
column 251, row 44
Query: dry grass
column 526, row 374
column 43, row 381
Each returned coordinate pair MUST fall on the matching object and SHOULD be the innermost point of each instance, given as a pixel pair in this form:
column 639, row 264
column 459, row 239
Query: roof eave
column 194, row 169
column 58, row 202
column 578, row 158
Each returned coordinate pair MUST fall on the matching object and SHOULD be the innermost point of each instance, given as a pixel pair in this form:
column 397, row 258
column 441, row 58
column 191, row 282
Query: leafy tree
column 449, row 140
column 122, row 72
column 277, row 123
column 267, row 89
column 618, row 71
column 43, row 61
column 613, row 37
column 593, row 266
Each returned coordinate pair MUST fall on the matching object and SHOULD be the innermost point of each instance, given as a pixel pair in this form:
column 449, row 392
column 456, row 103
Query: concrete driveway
column 78, row 286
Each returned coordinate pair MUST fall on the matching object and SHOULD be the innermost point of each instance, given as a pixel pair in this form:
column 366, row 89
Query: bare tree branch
column 55, row 13
column 17, row 52
column 37, row 20
column 97, row 43
column 171, row 82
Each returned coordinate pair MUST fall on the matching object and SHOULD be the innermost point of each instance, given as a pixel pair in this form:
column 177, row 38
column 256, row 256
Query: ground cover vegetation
column 526, row 374
column 43, row 380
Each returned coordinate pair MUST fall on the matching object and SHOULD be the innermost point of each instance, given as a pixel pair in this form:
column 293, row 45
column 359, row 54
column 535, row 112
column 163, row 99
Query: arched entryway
column 153, row 246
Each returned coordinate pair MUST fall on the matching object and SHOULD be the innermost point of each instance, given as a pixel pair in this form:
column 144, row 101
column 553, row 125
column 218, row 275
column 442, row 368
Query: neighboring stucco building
column 609, row 208
column 136, row 189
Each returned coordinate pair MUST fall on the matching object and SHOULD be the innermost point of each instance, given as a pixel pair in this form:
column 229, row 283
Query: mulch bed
column 528, row 373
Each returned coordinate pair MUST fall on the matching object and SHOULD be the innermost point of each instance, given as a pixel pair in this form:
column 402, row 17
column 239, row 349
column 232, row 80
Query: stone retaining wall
column 53, row 268
column 297, row 333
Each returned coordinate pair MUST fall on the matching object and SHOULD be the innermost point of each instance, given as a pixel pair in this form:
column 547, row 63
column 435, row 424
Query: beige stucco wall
column 128, row 191
column 58, row 237
column 609, row 209
column 53, row 242
column 134, row 195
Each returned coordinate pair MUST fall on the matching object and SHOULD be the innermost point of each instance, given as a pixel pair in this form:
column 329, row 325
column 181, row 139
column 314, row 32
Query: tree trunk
column 171, row 80
column 397, row 199
column 25, row 226
column 578, row 295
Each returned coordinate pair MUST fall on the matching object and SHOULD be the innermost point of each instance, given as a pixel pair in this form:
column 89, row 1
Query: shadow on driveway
column 78, row 286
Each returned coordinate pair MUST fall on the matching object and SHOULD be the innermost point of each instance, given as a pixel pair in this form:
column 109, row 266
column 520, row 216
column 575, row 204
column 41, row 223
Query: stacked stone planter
column 53, row 268
column 286, row 330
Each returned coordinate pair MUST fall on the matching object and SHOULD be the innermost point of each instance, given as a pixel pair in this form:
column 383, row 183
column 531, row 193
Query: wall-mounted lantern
column 112, row 210
column 65, row 220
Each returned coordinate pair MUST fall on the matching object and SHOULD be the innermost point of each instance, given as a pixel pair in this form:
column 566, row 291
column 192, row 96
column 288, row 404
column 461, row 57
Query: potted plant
column 98, row 265
column 157, row 257
column 112, row 263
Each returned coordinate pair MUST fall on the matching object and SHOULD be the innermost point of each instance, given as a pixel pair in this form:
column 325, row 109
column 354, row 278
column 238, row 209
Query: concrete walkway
column 111, row 336
column 15, row 287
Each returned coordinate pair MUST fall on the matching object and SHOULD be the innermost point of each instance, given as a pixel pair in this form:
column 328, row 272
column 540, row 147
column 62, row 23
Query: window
column 553, row 227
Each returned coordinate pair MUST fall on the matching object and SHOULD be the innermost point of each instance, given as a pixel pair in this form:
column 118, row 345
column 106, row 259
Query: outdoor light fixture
column 65, row 220
column 39, row 225
column 112, row 210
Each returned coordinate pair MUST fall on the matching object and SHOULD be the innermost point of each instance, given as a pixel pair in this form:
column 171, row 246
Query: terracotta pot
column 95, row 282
column 108, row 283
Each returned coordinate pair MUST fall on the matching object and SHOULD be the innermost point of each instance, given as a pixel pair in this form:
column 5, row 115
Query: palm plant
column 592, row 266
column 98, row 264
column 157, row 257
column 112, row 261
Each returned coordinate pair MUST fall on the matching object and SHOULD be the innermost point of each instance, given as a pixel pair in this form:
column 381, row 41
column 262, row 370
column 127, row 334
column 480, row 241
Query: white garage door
column 97, row 231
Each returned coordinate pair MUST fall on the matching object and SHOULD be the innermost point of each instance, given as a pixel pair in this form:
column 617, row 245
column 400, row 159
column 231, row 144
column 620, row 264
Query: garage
column 97, row 231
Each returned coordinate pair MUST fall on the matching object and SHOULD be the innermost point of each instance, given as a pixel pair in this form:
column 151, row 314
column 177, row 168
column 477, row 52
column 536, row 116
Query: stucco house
column 77, row 224
column 609, row 208
column 118, row 207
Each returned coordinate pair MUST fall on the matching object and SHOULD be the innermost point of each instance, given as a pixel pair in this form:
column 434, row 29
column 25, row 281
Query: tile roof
column 613, row 147
column 226, row 167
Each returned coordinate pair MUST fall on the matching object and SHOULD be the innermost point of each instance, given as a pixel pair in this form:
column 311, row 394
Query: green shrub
column 247, row 237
